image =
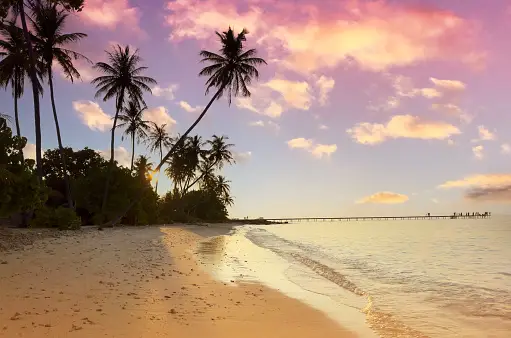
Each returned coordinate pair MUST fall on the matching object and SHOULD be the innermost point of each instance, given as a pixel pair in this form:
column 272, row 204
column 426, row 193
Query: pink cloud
column 384, row 197
column 308, row 36
column 111, row 14
column 402, row 126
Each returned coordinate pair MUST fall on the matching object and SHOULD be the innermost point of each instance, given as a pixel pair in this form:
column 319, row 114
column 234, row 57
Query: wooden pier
column 377, row 218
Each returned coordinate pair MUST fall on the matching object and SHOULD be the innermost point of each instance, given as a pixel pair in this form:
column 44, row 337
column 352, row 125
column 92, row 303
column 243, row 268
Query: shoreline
column 134, row 282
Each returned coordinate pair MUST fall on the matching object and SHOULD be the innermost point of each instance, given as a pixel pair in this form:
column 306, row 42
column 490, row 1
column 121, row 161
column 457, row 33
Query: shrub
column 66, row 219
column 61, row 218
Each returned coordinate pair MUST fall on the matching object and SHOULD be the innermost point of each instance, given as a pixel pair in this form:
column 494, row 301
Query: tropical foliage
column 66, row 188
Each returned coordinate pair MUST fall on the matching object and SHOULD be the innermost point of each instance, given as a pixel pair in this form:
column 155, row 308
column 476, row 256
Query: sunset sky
column 365, row 107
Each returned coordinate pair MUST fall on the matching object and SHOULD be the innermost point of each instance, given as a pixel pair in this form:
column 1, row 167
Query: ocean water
column 429, row 278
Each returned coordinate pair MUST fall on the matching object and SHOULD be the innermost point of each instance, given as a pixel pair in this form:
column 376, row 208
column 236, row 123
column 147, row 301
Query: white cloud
column 122, row 156
column 92, row 115
column 29, row 151
column 188, row 108
column 278, row 95
column 323, row 127
column 478, row 152
column 479, row 180
column 452, row 85
column 242, row 157
column 316, row 149
column 325, row 85
column 384, row 197
column 320, row 150
column 485, row 134
column 166, row 92
column 505, row 148
column 301, row 143
column 257, row 123
column 295, row 93
column 112, row 13
column 159, row 115
column 402, row 126
column 434, row 200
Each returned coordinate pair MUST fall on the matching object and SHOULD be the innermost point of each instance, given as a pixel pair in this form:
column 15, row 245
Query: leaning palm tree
column 230, row 72
column 122, row 81
column 159, row 139
column 48, row 22
column 14, row 64
column 135, row 126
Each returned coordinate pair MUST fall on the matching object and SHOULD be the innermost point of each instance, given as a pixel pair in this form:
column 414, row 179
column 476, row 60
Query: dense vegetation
column 67, row 188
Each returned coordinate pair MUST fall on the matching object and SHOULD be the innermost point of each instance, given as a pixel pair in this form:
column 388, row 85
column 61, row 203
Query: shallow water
column 447, row 278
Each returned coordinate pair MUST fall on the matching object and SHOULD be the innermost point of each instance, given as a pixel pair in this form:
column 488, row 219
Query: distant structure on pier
column 428, row 216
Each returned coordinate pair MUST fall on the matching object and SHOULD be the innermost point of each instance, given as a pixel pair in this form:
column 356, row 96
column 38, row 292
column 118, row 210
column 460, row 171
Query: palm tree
column 18, row 7
column 135, row 126
column 48, row 23
column 14, row 64
column 230, row 72
column 216, row 156
column 223, row 189
column 122, row 80
column 143, row 167
column 158, row 139
column 185, row 162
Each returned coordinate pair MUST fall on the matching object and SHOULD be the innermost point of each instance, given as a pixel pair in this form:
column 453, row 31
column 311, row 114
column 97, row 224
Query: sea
column 420, row 278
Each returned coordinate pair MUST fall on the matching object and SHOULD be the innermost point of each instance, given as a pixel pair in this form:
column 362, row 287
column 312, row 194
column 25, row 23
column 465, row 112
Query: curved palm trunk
column 188, row 186
column 132, row 149
column 59, row 139
column 171, row 151
column 112, row 155
column 158, row 179
column 35, row 91
column 16, row 116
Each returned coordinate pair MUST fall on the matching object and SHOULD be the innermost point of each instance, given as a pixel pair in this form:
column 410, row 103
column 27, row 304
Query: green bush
column 61, row 218
column 44, row 218
column 66, row 219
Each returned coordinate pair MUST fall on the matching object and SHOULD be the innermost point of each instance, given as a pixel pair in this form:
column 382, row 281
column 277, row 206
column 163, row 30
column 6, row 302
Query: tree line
column 79, row 186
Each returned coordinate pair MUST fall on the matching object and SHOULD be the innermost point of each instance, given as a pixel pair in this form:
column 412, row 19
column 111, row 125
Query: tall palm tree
column 14, row 64
column 48, row 22
column 217, row 156
column 122, row 80
column 18, row 7
column 136, row 127
column 230, row 72
column 159, row 138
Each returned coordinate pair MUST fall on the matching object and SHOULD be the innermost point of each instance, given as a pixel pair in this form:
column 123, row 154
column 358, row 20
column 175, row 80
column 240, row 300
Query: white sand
column 139, row 282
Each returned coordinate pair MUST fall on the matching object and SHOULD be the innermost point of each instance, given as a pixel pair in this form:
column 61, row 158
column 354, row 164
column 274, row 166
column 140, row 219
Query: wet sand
column 140, row 282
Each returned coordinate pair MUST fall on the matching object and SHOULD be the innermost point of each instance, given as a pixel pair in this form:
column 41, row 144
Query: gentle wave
column 385, row 324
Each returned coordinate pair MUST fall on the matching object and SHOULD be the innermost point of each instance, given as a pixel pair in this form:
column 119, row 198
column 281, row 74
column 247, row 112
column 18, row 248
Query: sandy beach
column 140, row 282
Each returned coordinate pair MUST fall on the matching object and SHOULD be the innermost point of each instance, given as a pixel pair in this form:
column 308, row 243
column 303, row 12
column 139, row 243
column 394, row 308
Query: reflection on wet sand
column 212, row 250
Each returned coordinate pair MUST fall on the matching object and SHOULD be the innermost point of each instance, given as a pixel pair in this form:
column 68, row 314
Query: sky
column 365, row 107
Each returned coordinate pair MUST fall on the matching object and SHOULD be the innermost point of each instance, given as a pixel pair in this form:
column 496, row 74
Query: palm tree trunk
column 16, row 116
column 112, row 155
column 188, row 186
column 132, row 150
column 171, row 151
column 59, row 139
column 35, row 91
column 158, row 179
